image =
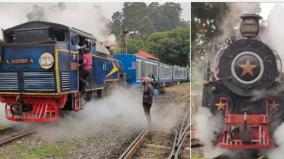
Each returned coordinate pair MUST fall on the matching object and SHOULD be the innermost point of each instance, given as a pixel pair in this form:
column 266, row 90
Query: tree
column 207, row 17
column 116, row 25
column 137, row 16
column 170, row 16
column 171, row 47
column 135, row 44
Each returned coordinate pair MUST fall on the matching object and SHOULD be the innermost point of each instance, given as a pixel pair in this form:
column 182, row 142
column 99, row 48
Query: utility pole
column 124, row 40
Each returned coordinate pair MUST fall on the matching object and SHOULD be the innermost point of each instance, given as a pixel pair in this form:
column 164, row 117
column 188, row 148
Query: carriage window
column 26, row 36
column 139, row 69
column 169, row 72
column 163, row 71
column 146, row 69
column 59, row 35
column 150, row 69
column 155, row 68
column 160, row 72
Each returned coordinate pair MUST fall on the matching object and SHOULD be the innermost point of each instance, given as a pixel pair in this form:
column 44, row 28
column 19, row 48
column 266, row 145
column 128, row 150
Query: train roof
column 43, row 24
column 146, row 55
column 175, row 66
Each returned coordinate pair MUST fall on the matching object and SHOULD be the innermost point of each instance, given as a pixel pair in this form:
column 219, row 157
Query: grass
column 157, row 152
column 2, row 126
column 197, row 157
column 50, row 151
column 33, row 152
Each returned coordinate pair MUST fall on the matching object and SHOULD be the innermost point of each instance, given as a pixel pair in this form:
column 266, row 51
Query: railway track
column 180, row 136
column 160, row 143
column 13, row 133
column 135, row 145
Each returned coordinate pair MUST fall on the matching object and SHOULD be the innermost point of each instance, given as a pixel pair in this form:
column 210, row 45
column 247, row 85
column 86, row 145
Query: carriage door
column 93, row 73
column 74, row 69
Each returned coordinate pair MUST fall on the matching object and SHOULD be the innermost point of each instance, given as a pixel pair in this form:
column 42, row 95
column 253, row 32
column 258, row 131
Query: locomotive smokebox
column 249, row 27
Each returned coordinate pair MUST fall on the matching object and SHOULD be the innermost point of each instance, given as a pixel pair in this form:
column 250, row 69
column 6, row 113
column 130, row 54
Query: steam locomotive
column 39, row 71
column 243, row 87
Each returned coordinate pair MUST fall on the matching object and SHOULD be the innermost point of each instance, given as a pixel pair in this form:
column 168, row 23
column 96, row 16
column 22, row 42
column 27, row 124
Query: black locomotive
column 244, row 87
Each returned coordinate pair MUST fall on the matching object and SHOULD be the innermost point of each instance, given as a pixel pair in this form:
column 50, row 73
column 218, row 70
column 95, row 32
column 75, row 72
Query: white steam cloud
column 277, row 153
column 120, row 111
column 122, row 108
column 84, row 16
column 3, row 120
column 272, row 34
column 207, row 128
column 274, row 37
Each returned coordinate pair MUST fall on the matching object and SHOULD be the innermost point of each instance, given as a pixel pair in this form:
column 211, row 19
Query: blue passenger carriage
column 39, row 70
column 136, row 68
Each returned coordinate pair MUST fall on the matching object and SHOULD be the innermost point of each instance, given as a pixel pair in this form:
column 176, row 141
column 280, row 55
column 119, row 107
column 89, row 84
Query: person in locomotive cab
column 85, row 68
column 147, row 99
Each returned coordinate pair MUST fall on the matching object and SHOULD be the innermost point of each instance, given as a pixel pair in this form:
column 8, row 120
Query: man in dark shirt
column 147, row 99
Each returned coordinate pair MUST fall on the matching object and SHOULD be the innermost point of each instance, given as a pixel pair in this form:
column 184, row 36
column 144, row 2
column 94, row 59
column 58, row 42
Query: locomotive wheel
column 87, row 96
column 99, row 93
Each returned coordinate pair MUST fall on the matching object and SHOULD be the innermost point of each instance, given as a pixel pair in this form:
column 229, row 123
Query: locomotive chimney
column 249, row 27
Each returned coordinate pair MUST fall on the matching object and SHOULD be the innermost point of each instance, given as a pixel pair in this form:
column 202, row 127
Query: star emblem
column 273, row 106
column 248, row 68
column 220, row 105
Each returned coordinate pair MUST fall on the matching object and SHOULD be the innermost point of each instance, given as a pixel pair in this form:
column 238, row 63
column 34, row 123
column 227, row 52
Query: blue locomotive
column 39, row 70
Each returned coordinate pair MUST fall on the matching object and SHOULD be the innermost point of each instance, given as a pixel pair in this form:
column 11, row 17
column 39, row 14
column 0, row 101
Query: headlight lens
column 46, row 60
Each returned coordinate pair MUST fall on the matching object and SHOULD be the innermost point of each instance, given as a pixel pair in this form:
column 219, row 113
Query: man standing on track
column 147, row 99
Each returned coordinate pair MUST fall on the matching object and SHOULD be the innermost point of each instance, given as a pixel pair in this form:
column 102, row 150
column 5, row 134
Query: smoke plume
column 230, row 26
column 84, row 16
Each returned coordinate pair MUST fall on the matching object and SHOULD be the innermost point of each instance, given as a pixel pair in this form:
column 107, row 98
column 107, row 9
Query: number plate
column 20, row 61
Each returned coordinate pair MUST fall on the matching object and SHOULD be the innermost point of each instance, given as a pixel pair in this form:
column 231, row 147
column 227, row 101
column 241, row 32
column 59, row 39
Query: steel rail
column 135, row 145
column 180, row 137
column 15, row 137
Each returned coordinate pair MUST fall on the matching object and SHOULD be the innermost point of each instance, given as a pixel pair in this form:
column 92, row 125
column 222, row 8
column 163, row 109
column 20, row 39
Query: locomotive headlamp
column 250, row 25
column 46, row 60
